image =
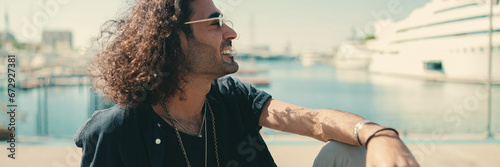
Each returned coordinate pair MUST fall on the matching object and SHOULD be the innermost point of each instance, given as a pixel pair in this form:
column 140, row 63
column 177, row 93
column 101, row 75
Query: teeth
column 227, row 52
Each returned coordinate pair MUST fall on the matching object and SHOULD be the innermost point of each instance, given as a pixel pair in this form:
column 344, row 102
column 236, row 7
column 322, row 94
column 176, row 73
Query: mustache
column 226, row 43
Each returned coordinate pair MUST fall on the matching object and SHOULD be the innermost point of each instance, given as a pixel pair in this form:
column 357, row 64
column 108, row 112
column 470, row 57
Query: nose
column 229, row 33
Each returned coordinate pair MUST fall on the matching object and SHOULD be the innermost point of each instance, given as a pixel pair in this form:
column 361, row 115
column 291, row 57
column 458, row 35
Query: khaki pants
column 336, row 154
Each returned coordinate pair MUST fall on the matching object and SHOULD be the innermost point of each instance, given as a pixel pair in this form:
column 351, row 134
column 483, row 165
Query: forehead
column 202, row 9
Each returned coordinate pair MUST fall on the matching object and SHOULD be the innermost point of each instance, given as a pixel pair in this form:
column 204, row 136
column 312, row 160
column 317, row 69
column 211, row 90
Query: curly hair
column 141, row 59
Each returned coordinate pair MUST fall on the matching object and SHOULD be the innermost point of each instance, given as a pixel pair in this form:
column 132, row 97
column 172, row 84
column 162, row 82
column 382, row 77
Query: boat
column 445, row 39
column 308, row 58
column 352, row 55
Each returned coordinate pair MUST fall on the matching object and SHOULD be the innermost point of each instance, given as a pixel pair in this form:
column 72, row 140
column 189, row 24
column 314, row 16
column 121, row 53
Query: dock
column 62, row 80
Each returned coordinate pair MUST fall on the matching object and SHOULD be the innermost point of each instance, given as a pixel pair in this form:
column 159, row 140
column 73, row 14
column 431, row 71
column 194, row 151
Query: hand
column 388, row 150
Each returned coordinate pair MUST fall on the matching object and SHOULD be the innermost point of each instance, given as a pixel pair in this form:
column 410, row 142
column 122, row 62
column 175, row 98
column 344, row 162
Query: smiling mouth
column 228, row 52
column 228, row 55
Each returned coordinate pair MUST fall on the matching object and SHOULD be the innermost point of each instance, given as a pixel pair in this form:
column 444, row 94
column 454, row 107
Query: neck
column 187, row 106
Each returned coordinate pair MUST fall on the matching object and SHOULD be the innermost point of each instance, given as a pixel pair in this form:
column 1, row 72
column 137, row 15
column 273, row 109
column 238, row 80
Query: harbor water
column 412, row 106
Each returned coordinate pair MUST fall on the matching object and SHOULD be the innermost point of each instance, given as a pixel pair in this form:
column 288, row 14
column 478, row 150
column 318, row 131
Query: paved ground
column 443, row 155
column 287, row 152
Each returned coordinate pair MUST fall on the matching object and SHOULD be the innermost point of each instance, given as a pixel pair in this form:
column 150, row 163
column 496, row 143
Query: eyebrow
column 214, row 15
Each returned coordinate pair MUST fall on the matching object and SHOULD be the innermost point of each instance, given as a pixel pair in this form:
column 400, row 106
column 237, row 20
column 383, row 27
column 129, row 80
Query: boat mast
column 490, row 50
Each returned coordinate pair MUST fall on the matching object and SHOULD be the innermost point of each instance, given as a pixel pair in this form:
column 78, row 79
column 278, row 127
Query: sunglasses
column 221, row 19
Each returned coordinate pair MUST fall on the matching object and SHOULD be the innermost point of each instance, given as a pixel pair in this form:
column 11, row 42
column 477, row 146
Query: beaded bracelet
column 373, row 135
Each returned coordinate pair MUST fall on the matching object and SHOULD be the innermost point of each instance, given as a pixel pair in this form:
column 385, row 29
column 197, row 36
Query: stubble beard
column 206, row 59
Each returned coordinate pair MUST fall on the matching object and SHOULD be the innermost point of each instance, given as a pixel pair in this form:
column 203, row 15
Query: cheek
column 209, row 37
column 213, row 42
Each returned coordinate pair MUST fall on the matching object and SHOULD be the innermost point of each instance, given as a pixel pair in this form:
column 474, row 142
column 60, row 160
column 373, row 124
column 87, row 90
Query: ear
column 183, row 39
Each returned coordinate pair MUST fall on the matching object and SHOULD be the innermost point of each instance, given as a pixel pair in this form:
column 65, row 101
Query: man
column 164, row 65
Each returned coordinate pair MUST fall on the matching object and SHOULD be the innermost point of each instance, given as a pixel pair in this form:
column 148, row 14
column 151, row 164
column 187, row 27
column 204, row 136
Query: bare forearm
column 327, row 124
column 336, row 125
column 339, row 125
column 321, row 124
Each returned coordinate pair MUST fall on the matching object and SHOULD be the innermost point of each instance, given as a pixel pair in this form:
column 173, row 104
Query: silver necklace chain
column 177, row 133
column 180, row 139
column 186, row 129
column 214, row 132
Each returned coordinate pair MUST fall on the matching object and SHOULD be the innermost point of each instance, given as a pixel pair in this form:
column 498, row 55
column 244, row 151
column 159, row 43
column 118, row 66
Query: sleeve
column 255, row 97
column 98, row 139
column 251, row 98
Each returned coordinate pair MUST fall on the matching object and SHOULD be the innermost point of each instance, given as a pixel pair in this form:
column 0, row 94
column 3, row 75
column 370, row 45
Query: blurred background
column 423, row 67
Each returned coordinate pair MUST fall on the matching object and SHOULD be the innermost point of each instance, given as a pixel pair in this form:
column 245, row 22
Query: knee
column 340, row 154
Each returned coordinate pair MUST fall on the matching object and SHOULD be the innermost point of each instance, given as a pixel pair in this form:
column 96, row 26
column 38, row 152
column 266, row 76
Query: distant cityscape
column 54, row 56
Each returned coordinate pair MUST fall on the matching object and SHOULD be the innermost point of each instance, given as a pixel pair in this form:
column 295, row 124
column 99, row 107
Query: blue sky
column 306, row 24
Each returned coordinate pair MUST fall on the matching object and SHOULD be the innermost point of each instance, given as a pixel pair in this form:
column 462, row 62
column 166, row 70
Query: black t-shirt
column 236, row 120
column 236, row 106
column 194, row 146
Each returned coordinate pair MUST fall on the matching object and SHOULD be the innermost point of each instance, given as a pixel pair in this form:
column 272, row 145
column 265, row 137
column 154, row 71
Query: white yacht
column 352, row 55
column 445, row 39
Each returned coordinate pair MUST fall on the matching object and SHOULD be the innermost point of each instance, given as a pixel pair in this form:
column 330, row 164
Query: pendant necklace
column 186, row 129
column 179, row 139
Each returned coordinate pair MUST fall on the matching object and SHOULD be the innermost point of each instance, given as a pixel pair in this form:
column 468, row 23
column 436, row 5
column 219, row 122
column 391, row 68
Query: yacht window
column 434, row 66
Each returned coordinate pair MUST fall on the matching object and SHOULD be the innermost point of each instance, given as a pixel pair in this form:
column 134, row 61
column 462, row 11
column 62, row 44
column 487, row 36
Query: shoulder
column 232, row 88
column 104, row 122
